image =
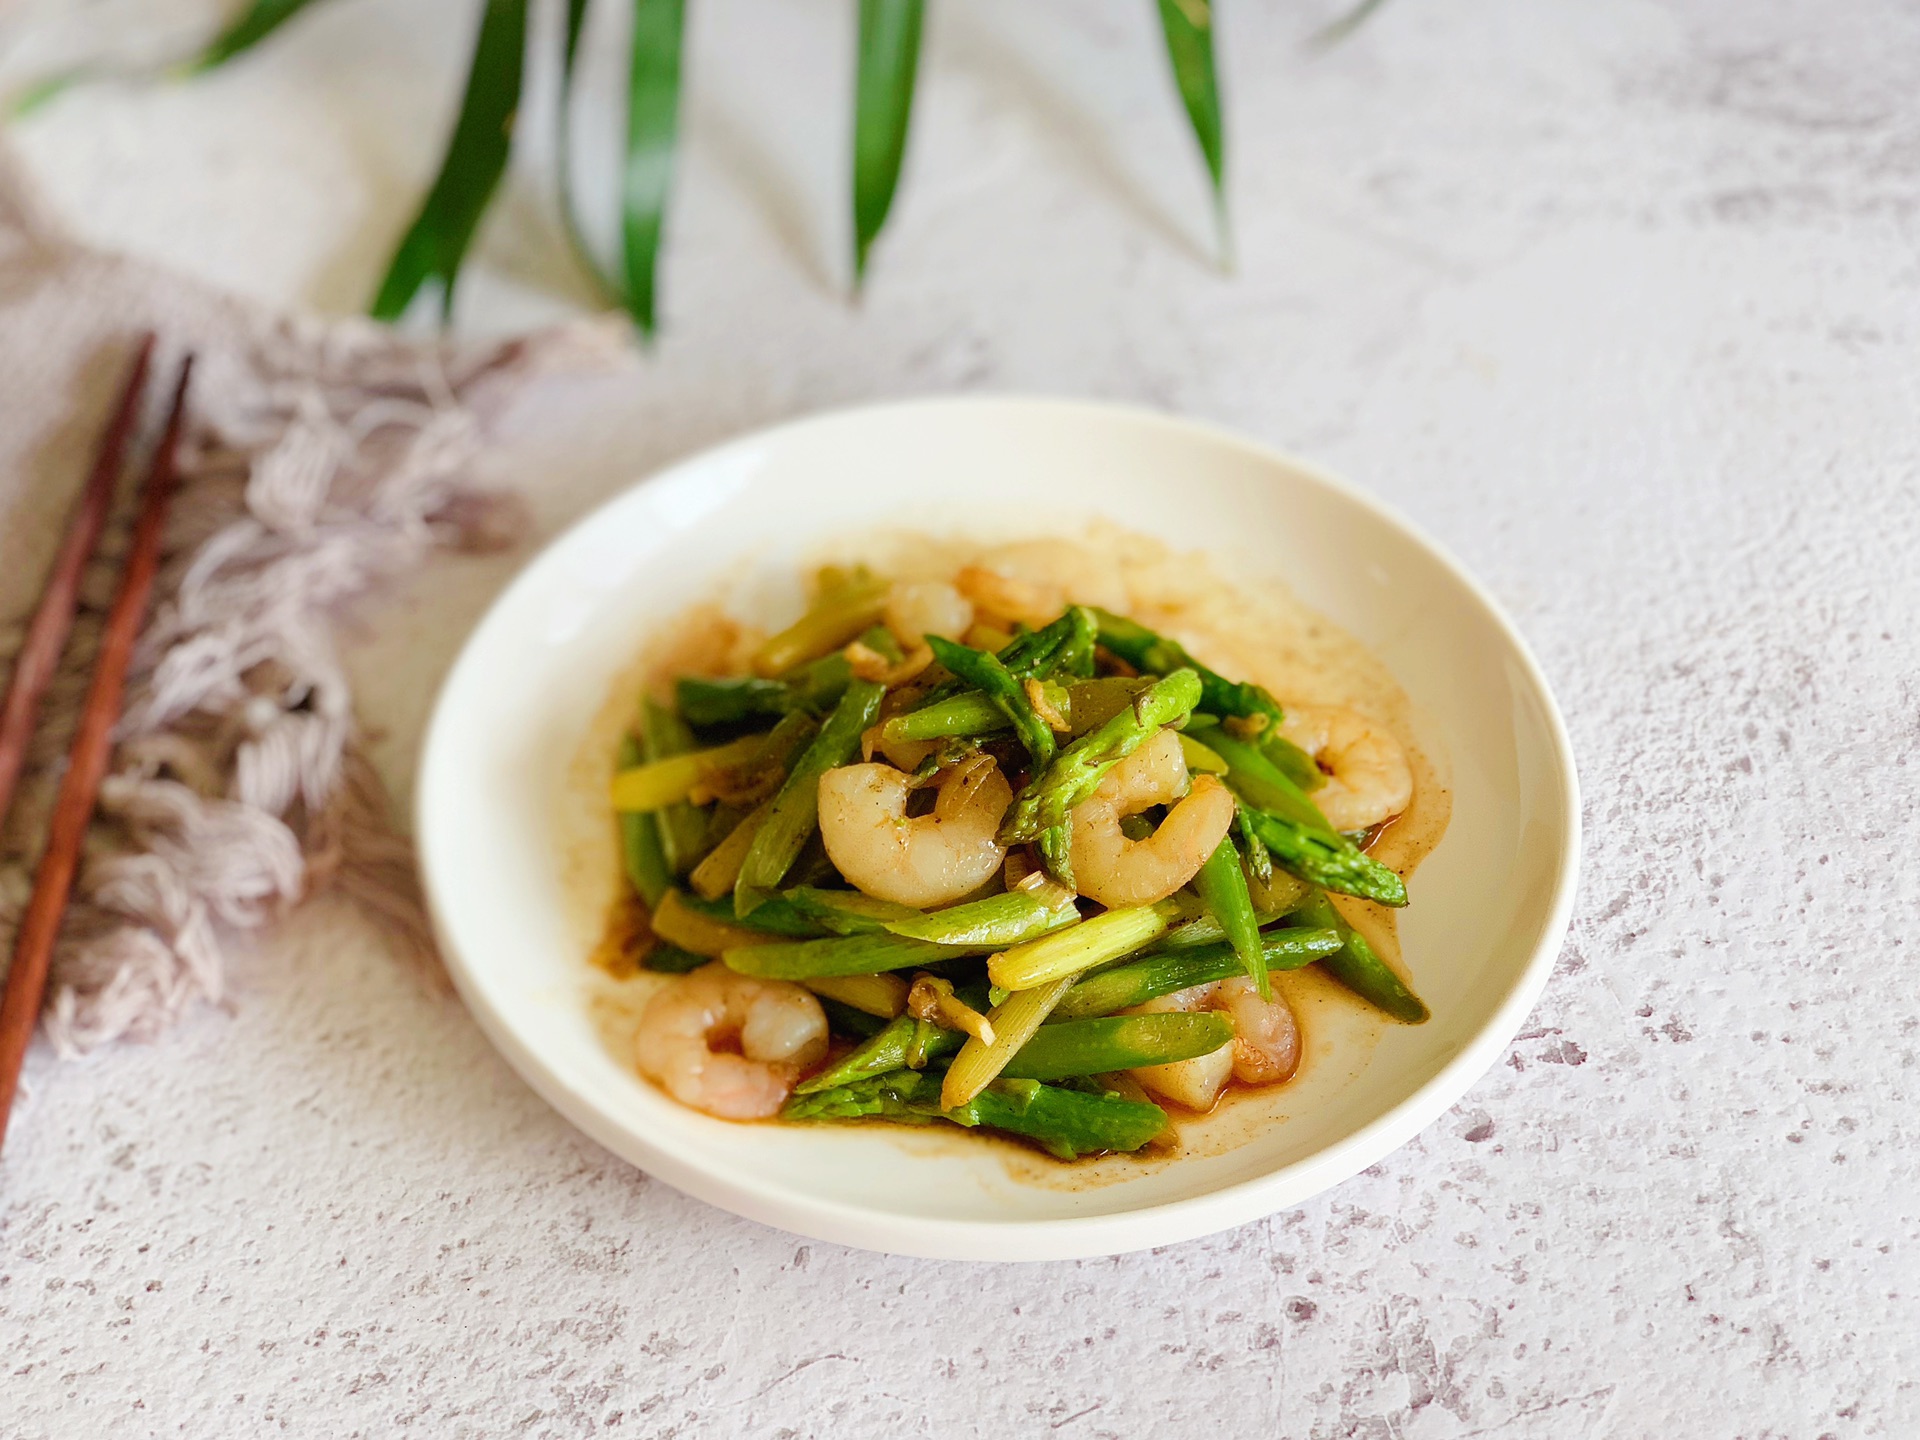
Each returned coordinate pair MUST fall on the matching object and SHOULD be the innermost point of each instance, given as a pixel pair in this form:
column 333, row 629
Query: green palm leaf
column 889, row 56
column 475, row 160
column 248, row 29
column 1346, row 24
column 1188, row 27
column 569, row 210
column 653, row 109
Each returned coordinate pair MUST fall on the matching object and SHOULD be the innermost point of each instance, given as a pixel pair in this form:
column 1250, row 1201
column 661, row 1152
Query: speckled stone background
column 1621, row 301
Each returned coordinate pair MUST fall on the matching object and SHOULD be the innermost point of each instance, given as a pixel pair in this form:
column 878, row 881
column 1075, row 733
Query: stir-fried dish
column 957, row 854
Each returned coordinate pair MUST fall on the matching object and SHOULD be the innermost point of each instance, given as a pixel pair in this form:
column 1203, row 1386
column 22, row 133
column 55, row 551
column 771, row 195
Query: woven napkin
column 323, row 457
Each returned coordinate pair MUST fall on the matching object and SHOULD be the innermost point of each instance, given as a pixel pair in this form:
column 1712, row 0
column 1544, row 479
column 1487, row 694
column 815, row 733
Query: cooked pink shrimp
column 1368, row 778
column 1265, row 1048
column 779, row 1028
column 1116, row 871
column 926, row 860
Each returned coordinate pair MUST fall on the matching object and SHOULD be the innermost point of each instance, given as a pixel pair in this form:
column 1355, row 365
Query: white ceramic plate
column 502, row 811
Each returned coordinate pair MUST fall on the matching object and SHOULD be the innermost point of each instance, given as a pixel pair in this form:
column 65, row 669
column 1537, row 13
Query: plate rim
column 1062, row 1237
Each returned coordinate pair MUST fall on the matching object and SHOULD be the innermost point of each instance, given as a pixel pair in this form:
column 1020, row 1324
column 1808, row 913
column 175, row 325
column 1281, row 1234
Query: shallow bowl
column 505, row 825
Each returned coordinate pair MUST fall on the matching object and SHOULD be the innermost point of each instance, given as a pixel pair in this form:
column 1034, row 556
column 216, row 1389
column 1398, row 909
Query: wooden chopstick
column 47, row 635
column 87, row 760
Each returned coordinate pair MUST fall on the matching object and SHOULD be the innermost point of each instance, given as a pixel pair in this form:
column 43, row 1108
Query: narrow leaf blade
column 247, row 30
column 476, row 157
column 1188, row 28
column 653, row 110
column 889, row 58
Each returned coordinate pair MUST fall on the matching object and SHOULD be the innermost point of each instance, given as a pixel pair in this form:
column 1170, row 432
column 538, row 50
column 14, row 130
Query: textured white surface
column 1621, row 302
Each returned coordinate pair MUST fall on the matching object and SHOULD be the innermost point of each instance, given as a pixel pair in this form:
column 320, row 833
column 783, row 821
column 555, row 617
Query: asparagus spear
column 882, row 995
column 971, row 929
column 1223, row 886
column 1265, row 786
column 683, row 829
column 640, row 851
column 847, row 912
column 837, row 617
column 708, row 703
column 681, row 920
column 1066, row 645
column 1116, row 1042
column 1157, row 655
column 1068, row 1123
column 1076, row 948
column 1337, row 866
column 655, row 786
column 796, row 808
column 998, row 685
column 845, row 1020
column 1014, row 1020
column 1076, row 771
column 839, row 955
column 775, row 916
column 988, row 924
column 889, row 1050
column 1356, row 965
column 669, row 959
column 1165, row 971
column 813, row 689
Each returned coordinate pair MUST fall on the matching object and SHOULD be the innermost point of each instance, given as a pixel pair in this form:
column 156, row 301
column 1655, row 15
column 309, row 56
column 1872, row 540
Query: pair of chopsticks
column 93, row 738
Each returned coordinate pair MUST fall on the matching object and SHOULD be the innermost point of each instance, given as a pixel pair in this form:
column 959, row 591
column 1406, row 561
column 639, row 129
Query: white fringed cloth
column 323, row 458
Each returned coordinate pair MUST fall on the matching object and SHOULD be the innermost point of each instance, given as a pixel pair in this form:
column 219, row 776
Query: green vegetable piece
column 1063, row 647
column 796, row 809
column 977, row 928
column 993, row 923
column 979, row 668
column 1076, row 771
column 669, row 959
column 1332, row 865
column 1147, row 977
column 476, row 157
column 1259, row 858
column 837, row 955
column 896, row 1095
column 1264, row 785
column 888, row 57
column 1157, row 655
column 847, row 912
column 709, row 703
column 845, row 1020
column 968, row 713
column 640, row 852
column 1222, row 884
column 1068, row 1123
column 775, row 916
column 682, row 826
column 1356, row 965
column 894, row 1047
column 1116, row 1042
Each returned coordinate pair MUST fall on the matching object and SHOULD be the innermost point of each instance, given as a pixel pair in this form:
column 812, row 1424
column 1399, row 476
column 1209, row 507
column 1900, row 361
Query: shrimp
column 687, row 1032
column 1265, row 1048
column 1368, row 777
column 1117, row 871
column 929, row 859
column 1009, row 598
column 917, row 609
